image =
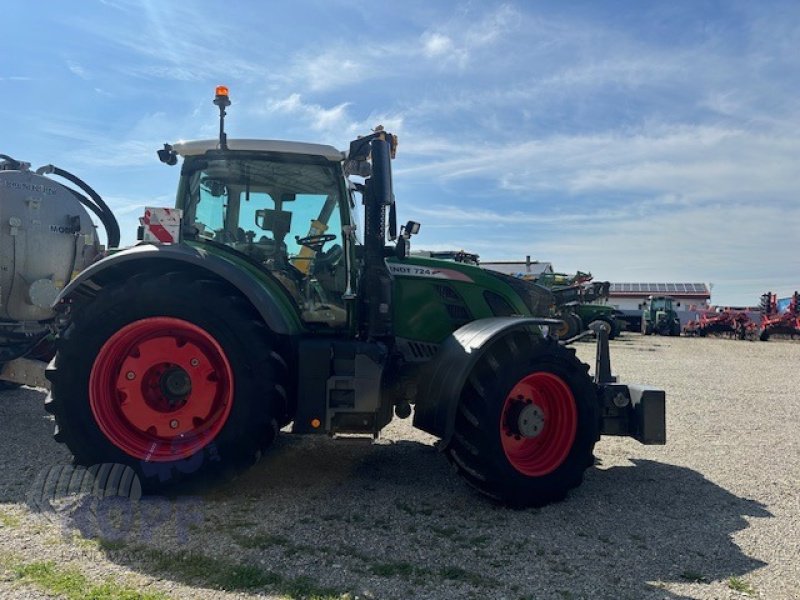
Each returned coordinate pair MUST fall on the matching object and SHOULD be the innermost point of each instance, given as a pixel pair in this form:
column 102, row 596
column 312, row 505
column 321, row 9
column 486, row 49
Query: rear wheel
column 170, row 375
column 572, row 326
column 615, row 329
column 611, row 323
column 527, row 422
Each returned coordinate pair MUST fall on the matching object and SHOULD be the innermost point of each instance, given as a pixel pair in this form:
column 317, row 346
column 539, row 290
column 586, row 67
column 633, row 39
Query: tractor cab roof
column 197, row 147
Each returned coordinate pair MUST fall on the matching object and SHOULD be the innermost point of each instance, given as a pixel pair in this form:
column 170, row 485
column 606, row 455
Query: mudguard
column 444, row 376
column 276, row 315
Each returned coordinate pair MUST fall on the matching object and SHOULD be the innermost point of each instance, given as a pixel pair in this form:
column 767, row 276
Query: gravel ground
column 714, row 514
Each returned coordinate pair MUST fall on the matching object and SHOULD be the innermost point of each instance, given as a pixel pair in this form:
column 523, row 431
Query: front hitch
column 633, row 410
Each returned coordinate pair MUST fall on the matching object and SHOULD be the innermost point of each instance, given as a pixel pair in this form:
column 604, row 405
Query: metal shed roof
column 699, row 290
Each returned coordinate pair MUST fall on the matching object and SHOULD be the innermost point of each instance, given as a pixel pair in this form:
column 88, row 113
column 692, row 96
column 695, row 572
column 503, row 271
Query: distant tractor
column 590, row 314
column 659, row 317
column 574, row 296
column 257, row 303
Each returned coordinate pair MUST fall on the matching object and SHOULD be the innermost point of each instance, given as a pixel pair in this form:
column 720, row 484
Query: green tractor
column 592, row 314
column 659, row 317
column 254, row 305
column 574, row 296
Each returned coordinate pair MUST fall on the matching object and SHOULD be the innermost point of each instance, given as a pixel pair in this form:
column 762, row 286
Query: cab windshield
column 285, row 215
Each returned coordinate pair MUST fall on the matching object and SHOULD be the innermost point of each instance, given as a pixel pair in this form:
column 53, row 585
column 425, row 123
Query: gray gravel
column 715, row 509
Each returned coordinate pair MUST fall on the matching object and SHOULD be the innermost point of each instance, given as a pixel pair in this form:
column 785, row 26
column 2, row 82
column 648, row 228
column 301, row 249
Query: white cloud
column 332, row 69
column 493, row 26
column 697, row 162
column 317, row 117
column 453, row 42
column 436, row 44
column 713, row 243
column 77, row 69
column 336, row 124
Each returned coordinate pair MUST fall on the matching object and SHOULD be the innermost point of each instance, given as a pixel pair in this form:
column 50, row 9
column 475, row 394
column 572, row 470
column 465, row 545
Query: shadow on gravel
column 26, row 442
column 320, row 518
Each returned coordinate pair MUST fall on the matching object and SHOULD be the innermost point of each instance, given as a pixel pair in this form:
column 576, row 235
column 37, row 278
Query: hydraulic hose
column 15, row 164
column 97, row 205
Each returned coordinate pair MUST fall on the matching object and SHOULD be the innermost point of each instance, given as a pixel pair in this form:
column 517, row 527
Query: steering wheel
column 315, row 242
column 326, row 261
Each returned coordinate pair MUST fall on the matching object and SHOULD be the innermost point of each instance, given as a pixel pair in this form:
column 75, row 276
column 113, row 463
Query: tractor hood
column 536, row 298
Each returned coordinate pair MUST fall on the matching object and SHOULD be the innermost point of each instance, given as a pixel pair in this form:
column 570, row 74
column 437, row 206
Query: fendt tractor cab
column 659, row 317
column 258, row 303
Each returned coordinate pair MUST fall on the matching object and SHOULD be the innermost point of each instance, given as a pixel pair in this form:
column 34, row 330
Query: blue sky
column 641, row 141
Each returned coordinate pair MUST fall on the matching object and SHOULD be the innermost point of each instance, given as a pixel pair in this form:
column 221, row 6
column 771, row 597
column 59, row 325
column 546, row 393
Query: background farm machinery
column 731, row 323
column 573, row 298
column 576, row 300
column 779, row 322
column 773, row 318
column 659, row 317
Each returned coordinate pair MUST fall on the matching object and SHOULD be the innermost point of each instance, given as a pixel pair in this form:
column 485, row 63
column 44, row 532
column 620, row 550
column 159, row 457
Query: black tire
column 476, row 448
column 257, row 394
column 663, row 328
column 613, row 331
column 647, row 327
column 9, row 385
column 764, row 336
column 572, row 326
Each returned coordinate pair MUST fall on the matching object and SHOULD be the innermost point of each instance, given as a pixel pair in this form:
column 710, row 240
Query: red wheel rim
column 161, row 389
column 550, row 400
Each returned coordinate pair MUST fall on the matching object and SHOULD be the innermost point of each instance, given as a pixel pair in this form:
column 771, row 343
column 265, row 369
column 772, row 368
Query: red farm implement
column 730, row 323
column 779, row 322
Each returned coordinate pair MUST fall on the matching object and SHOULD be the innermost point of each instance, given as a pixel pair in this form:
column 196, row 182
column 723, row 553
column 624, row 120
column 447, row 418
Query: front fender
column 444, row 376
column 269, row 300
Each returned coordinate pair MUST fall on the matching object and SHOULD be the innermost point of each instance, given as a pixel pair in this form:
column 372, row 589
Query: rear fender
column 443, row 378
column 274, row 309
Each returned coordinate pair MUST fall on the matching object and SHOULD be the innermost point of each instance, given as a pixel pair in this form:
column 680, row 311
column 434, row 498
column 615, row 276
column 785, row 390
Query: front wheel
column 647, row 327
column 527, row 422
column 170, row 375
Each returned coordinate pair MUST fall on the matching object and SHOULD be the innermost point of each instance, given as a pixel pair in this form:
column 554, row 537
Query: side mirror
column 279, row 222
column 167, row 155
column 215, row 187
column 402, row 247
column 412, row 228
column 361, row 168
